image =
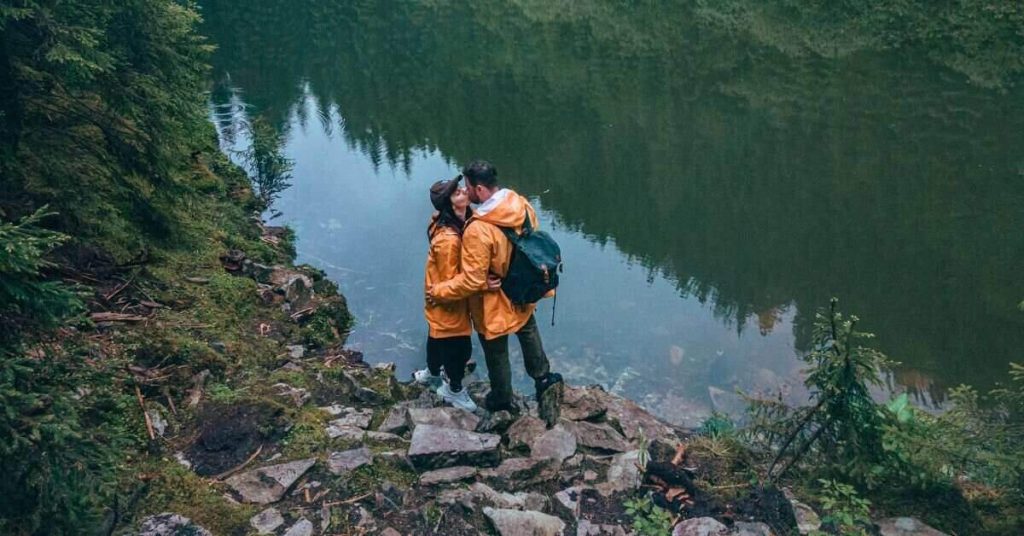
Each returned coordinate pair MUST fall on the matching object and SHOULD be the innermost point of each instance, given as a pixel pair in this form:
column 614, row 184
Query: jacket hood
column 505, row 209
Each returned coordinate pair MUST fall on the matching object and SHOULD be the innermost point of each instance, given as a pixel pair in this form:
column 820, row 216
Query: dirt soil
column 229, row 434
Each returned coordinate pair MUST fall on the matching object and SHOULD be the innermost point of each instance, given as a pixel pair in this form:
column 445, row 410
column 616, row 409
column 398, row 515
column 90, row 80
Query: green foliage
column 268, row 168
column 717, row 425
column 843, row 429
column 845, row 512
column 27, row 301
column 648, row 519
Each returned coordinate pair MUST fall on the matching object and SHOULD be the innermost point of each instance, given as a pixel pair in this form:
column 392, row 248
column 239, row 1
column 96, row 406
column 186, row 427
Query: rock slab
column 448, row 476
column 524, row 522
column 267, row 521
column 346, row 461
column 434, row 447
column 444, row 417
column 302, row 527
column 268, row 484
column 597, row 436
column 557, row 443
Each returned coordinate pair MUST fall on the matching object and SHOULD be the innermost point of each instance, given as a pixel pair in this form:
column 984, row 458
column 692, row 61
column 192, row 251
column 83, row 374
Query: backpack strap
column 510, row 233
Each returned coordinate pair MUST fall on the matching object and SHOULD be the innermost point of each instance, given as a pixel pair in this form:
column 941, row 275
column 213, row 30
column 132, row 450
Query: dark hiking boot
column 550, row 391
column 494, row 406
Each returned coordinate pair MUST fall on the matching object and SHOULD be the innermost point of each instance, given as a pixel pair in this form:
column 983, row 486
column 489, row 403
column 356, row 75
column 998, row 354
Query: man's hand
column 493, row 282
column 430, row 299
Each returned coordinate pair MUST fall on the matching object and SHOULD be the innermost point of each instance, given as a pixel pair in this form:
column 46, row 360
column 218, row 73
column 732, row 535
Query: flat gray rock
column 397, row 421
column 524, row 522
column 168, row 524
column 345, row 461
column 743, row 528
column 434, row 447
column 267, row 521
column 302, row 527
column 700, row 526
column 581, row 404
column 448, row 475
column 569, row 498
column 359, row 418
column 597, row 436
column 445, row 417
column 586, row 528
column 524, row 431
column 906, row 526
column 480, row 493
column 268, row 484
column 519, row 473
column 557, row 443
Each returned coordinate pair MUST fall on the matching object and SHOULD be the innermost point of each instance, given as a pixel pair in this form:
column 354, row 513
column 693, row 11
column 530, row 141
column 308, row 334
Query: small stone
column 397, row 421
column 597, row 436
column 359, row 418
column 269, row 484
column 302, row 527
column 589, row 475
column 158, row 421
column 390, row 532
column 524, row 431
column 448, row 476
column 569, row 498
column 807, row 520
column 517, row 473
column 434, row 447
column 445, row 417
column 906, row 526
column 557, row 443
column 586, row 528
column 743, row 528
column 524, row 523
column 700, row 526
column 297, row 395
column 296, row 351
column 623, row 473
column 343, row 462
column 495, row 423
column 168, row 524
column 267, row 521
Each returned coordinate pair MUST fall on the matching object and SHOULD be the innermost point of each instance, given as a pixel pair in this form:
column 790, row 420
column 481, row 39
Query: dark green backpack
column 535, row 265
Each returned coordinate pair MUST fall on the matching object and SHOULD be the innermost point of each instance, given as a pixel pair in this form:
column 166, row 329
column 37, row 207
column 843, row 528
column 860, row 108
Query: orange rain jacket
column 485, row 249
column 446, row 319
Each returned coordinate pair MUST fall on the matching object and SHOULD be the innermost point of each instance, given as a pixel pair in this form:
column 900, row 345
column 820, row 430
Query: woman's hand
column 493, row 282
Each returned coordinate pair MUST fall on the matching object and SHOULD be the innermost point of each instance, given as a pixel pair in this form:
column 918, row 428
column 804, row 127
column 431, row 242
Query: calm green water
column 711, row 188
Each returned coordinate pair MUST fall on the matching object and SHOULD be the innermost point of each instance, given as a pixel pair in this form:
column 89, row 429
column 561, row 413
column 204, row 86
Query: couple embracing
column 470, row 255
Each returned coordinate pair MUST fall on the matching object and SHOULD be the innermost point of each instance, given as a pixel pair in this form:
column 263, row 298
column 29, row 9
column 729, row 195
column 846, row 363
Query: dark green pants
column 499, row 370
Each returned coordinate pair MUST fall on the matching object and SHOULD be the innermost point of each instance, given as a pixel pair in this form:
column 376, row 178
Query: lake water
column 711, row 187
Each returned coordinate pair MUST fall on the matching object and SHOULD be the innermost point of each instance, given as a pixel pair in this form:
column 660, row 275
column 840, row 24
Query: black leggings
column 452, row 353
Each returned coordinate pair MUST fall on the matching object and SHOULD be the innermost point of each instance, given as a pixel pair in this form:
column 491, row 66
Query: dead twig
column 145, row 414
column 119, row 288
column 115, row 317
column 349, row 501
column 237, row 468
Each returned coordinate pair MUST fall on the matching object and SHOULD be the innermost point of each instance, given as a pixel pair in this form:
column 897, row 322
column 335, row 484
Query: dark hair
column 446, row 218
column 481, row 173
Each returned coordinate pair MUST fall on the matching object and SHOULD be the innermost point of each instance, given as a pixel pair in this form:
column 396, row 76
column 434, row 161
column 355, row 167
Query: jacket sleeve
column 476, row 262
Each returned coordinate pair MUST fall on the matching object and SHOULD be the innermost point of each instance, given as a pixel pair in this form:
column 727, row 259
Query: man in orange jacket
column 487, row 252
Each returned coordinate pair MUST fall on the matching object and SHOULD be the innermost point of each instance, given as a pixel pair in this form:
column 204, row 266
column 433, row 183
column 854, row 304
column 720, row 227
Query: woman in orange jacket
column 448, row 341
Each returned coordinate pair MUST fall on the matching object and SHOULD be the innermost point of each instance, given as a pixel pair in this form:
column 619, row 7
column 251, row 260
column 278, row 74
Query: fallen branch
column 145, row 414
column 119, row 288
column 237, row 468
column 115, row 317
column 349, row 501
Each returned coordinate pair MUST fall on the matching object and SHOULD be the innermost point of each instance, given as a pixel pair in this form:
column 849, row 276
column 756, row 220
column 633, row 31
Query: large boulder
column 268, row 484
column 524, row 523
column 906, row 526
column 434, row 447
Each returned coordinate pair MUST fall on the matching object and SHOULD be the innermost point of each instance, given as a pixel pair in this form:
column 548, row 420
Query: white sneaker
column 460, row 399
column 424, row 377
